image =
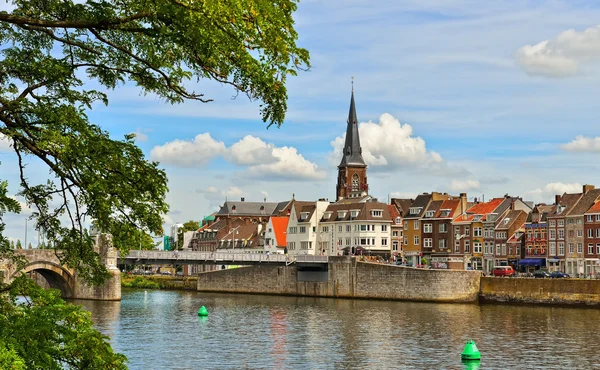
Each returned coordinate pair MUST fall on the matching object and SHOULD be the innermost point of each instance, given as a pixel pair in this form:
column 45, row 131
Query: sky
column 488, row 98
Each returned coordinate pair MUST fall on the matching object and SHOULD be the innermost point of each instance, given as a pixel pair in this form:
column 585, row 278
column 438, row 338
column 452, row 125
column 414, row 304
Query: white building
column 302, row 235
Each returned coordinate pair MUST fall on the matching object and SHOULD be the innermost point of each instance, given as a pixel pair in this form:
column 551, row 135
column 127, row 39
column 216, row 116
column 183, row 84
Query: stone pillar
column 111, row 289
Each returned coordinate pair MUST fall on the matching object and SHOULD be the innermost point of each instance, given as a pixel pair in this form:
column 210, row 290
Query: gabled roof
column 421, row 201
column 450, row 205
column 352, row 155
column 363, row 214
column 296, row 204
column 586, row 201
column 482, row 209
column 594, row 208
column 512, row 216
column 433, row 207
column 567, row 201
column 516, row 237
column 232, row 208
column 280, row 225
column 309, row 210
column 394, row 214
column 403, row 205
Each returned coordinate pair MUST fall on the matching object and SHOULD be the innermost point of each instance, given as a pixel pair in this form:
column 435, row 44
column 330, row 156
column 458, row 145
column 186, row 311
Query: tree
column 29, row 246
column 12, row 244
column 19, row 246
column 50, row 51
column 191, row 225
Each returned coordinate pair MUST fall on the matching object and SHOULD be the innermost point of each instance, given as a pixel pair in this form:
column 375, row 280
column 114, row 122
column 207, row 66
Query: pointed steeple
column 352, row 156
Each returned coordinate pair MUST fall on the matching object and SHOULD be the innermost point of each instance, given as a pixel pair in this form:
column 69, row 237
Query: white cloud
column 554, row 188
column 188, row 153
column 216, row 196
column 562, row 56
column 389, row 145
column 139, row 135
column 264, row 160
column 464, row 185
column 5, row 143
column 583, row 144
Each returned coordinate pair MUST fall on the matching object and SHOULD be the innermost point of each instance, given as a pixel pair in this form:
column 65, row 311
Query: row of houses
column 443, row 230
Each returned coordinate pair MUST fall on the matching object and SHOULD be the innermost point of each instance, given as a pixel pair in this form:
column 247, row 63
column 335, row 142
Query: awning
column 533, row 262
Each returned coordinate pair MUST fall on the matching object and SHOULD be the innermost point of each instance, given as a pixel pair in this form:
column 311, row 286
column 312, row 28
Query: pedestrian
column 268, row 254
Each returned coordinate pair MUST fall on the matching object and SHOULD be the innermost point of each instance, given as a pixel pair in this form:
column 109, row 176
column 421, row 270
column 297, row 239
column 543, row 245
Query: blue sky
column 474, row 96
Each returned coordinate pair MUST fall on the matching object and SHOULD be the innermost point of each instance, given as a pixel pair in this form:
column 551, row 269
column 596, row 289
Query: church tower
column 352, row 171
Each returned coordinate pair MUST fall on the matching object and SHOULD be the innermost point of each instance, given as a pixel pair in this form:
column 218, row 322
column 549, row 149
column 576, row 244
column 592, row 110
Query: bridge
column 138, row 257
column 45, row 267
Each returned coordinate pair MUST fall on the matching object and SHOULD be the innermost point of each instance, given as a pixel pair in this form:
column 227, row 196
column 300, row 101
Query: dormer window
column 341, row 214
column 262, row 210
column 477, row 218
column 303, row 215
column 429, row 213
column 233, row 209
column 398, row 220
column 377, row 213
column 445, row 213
column 326, row 215
column 414, row 210
column 354, row 213
column 506, row 220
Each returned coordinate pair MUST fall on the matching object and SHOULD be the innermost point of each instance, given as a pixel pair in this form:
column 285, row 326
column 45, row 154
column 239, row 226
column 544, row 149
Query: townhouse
column 556, row 234
column 427, row 222
column 509, row 227
column 402, row 206
column 302, row 236
column 275, row 234
column 536, row 236
column 397, row 231
column 442, row 255
column 357, row 227
column 575, row 255
column 591, row 265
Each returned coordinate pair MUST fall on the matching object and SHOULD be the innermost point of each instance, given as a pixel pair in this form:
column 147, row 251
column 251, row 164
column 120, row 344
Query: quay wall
column 348, row 278
column 169, row 282
column 540, row 291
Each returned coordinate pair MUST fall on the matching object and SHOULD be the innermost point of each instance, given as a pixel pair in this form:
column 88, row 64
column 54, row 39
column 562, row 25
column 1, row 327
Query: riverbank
column 160, row 282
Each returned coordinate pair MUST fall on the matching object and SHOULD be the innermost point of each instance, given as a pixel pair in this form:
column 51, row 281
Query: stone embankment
column 540, row 291
column 347, row 278
column 166, row 282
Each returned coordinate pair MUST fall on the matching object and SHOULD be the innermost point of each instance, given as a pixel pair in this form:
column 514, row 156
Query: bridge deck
column 221, row 258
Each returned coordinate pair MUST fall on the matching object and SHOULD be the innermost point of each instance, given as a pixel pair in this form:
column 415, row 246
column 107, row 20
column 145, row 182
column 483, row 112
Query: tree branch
column 99, row 24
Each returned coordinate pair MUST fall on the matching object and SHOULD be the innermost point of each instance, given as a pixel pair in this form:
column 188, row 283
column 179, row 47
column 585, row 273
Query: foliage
column 52, row 53
column 45, row 332
column 424, row 261
column 139, row 282
column 19, row 246
column 191, row 225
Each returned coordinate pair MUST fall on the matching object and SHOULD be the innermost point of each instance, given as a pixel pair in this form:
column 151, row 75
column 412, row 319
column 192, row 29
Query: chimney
column 557, row 199
column 243, row 199
column 587, row 188
column 463, row 203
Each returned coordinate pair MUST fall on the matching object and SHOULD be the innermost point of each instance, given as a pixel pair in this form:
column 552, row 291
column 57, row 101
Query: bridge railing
column 307, row 258
column 205, row 256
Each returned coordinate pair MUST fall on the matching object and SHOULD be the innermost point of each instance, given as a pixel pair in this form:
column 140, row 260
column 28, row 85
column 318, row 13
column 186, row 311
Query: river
column 161, row 330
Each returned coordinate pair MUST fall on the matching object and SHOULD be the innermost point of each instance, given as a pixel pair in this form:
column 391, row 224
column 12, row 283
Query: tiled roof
column 595, row 208
column 403, row 205
column 421, row 201
column 584, row 203
column 309, row 209
column 279, row 228
column 450, row 205
column 566, row 201
column 512, row 216
column 480, row 209
column 363, row 214
column 230, row 208
column 393, row 212
column 433, row 206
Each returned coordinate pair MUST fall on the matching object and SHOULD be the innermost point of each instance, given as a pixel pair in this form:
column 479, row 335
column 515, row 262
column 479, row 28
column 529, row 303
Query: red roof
column 449, row 204
column 595, row 208
column 279, row 228
column 480, row 209
column 393, row 212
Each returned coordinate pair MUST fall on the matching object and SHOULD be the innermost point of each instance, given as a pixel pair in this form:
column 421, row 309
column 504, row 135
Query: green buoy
column 202, row 311
column 470, row 353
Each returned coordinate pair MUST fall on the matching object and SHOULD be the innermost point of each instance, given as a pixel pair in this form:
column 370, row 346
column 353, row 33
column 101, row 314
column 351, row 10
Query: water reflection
column 161, row 329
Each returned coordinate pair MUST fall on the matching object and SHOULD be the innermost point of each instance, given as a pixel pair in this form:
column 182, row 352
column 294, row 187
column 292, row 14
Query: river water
column 161, row 330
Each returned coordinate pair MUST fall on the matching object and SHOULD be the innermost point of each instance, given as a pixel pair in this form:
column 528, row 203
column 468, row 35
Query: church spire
column 352, row 156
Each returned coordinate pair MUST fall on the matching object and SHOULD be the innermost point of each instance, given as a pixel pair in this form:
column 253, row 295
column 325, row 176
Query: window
column 442, row 243
column 487, row 248
column 291, row 245
column 467, row 246
column 414, row 210
column 571, row 233
column 552, row 248
column 302, row 229
column 347, row 241
column 597, row 233
column 376, row 213
column 443, row 228
column 510, row 251
column 427, row 228
column 561, row 223
column 552, row 234
column 590, row 233
column 571, row 248
column 552, row 223
column 597, row 217
column 395, row 245
column 406, row 240
column 476, row 232
column 293, row 230
column 579, row 233
column 364, row 241
column 561, row 249
column 340, row 228
column 383, row 227
column 518, row 251
column 325, row 229
column 468, row 231
column 384, row 242
column 416, row 240
column 429, row 213
column 348, row 228
column 314, row 229
column 590, row 248
column 394, row 233
column 590, row 218
column 579, row 247
column 497, row 249
column 416, row 224
column 363, row 227
column 406, row 225
column 477, row 247
column 354, row 214
column 598, row 248
column 355, row 182
column 561, row 234
column 427, row 242
column 456, row 246
column 326, row 215
column 305, row 245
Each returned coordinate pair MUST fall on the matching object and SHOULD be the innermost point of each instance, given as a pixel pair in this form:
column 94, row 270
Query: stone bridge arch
column 55, row 275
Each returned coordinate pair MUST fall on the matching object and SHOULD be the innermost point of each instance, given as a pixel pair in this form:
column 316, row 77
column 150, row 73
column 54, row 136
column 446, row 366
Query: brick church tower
column 352, row 171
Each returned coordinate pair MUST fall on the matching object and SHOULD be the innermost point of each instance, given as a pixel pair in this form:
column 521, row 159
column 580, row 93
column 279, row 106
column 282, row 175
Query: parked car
column 166, row 273
column 559, row 275
column 503, row 271
column 543, row 274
